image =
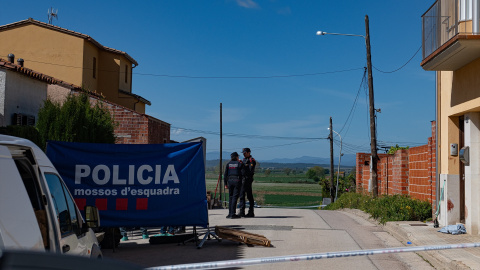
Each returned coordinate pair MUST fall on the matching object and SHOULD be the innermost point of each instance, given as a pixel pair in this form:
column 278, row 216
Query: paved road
column 291, row 231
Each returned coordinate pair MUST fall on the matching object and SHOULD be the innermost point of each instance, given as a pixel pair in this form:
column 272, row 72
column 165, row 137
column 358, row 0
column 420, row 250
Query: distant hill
column 265, row 164
column 347, row 160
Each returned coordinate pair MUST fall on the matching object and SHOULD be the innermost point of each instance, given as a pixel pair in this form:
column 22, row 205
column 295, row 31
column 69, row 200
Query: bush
column 345, row 184
column 385, row 208
column 76, row 120
column 26, row 132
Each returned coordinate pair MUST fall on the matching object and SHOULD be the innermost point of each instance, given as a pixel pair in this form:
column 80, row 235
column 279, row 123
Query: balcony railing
column 443, row 20
column 438, row 26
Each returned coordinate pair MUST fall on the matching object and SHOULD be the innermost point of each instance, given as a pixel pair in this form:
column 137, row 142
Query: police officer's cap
column 246, row 150
column 234, row 154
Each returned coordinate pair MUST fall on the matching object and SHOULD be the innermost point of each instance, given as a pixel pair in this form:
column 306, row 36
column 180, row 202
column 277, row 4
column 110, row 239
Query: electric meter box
column 453, row 149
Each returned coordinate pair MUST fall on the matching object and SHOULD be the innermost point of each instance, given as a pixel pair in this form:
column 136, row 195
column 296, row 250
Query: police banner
column 136, row 185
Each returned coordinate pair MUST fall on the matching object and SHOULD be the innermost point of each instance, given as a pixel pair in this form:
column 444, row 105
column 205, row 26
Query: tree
column 316, row 172
column 76, row 120
column 267, row 172
column 287, row 171
column 395, row 148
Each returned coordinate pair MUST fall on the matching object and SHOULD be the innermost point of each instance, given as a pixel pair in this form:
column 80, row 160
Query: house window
column 94, row 67
column 126, row 73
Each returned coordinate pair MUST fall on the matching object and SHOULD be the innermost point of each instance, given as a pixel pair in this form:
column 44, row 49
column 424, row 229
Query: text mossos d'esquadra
column 143, row 180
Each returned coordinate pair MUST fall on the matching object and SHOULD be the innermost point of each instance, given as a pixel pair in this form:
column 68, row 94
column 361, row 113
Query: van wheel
column 112, row 237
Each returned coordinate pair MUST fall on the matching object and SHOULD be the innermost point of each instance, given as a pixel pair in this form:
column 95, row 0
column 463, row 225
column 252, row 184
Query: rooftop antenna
column 52, row 14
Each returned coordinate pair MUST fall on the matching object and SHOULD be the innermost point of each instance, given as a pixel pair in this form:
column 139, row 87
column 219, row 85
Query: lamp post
column 373, row 133
column 339, row 160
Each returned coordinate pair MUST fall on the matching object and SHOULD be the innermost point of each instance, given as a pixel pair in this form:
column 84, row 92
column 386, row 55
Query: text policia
column 141, row 181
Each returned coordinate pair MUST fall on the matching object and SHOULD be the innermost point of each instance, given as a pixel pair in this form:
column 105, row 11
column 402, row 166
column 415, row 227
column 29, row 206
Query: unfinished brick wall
column 409, row 171
column 384, row 174
column 158, row 131
column 132, row 127
column 420, row 185
column 136, row 128
column 360, row 166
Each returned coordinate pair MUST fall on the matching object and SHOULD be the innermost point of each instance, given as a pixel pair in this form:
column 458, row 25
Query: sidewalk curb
column 395, row 229
column 433, row 257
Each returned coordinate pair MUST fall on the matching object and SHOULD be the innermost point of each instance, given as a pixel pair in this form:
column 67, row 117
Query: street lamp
column 339, row 160
column 373, row 133
column 321, row 33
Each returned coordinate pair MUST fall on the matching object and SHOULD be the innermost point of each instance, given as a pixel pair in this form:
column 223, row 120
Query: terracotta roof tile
column 42, row 77
column 135, row 96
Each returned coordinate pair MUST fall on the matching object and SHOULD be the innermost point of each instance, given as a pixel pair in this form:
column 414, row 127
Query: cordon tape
column 308, row 257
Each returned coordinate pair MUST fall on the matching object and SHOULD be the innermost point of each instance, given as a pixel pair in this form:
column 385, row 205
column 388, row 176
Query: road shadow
column 277, row 217
column 140, row 252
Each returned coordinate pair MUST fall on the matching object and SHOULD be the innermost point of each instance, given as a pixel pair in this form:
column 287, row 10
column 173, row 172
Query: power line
column 201, row 77
column 268, row 137
column 271, row 146
column 247, row 77
column 403, row 143
column 354, row 104
column 401, row 66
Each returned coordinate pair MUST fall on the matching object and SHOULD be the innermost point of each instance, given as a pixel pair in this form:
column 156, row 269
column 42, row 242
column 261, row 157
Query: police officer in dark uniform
column 249, row 163
column 233, row 181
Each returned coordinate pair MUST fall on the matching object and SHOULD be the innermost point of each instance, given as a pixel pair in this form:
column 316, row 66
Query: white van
column 37, row 212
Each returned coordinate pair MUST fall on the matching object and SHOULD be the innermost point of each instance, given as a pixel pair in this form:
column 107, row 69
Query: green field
column 292, row 200
column 277, row 191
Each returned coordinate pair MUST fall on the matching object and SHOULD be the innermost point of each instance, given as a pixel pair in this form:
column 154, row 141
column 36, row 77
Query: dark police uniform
column 233, row 180
column 249, row 164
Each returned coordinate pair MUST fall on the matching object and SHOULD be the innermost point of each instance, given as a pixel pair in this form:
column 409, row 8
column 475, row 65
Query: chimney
column 20, row 62
column 11, row 58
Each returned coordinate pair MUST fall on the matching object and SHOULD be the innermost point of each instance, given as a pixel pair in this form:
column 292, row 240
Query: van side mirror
column 92, row 218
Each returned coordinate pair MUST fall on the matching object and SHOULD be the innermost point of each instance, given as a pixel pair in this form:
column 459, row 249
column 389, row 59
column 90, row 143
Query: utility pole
column 221, row 165
column 332, row 192
column 373, row 133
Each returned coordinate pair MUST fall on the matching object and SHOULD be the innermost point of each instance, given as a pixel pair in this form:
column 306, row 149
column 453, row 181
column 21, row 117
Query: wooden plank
column 242, row 237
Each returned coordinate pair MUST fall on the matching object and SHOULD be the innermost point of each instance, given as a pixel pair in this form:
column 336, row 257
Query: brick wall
column 410, row 171
column 419, row 169
column 158, row 131
column 132, row 127
column 136, row 128
column 360, row 174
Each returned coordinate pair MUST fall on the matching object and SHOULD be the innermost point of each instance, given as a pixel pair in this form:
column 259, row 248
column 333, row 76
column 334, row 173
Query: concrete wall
column 458, row 97
column 472, row 173
column 70, row 58
column 50, row 52
column 90, row 52
column 20, row 94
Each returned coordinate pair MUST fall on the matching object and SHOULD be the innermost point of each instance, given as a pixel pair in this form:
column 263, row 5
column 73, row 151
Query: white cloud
column 247, row 3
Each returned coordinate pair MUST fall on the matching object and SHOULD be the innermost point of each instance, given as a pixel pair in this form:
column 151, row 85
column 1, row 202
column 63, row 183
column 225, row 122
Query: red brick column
column 400, row 172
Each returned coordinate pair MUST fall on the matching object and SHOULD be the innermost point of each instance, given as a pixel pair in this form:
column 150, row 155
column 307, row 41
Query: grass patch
column 292, row 188
column 291, row 200
column 278, row 194
column 283, row 179
column 385, row 208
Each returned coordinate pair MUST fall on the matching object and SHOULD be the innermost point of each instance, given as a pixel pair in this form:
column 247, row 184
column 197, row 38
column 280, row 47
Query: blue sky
column 277, row 80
